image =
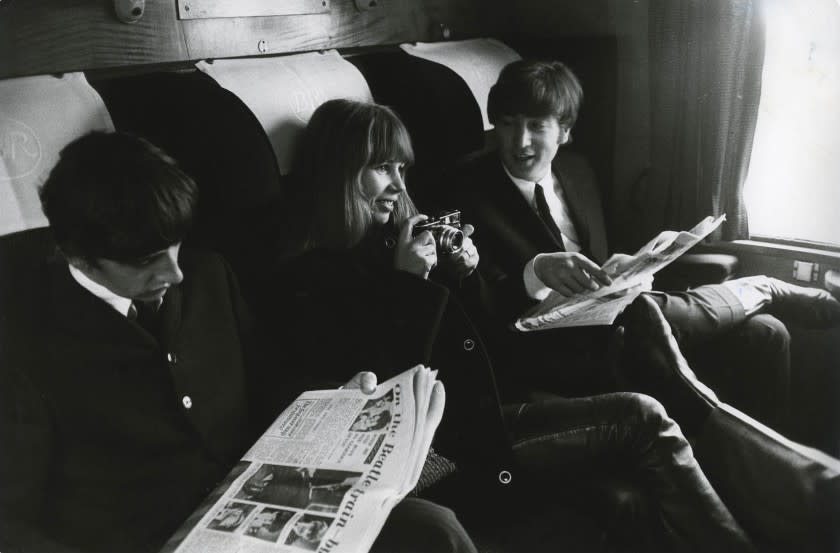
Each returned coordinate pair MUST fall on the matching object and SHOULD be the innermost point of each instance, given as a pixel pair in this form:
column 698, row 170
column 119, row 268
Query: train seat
column 283, row 91
column 217, row 140
column 694, row 269
column 232, row 125
column 32, row 134
column 442, row 109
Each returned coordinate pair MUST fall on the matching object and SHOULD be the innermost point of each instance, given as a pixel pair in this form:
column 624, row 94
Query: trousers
column 420, row 526
column 563, row 442
column 746, row 360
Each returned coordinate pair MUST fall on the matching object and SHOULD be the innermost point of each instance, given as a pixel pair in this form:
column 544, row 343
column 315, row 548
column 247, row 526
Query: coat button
column 187, row 401
column 505, row 477
column 469, row 345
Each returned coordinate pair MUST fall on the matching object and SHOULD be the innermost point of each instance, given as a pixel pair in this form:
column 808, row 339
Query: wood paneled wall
column 54, row 36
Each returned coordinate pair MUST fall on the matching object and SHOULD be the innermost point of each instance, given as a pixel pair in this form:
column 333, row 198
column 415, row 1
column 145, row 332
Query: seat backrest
column 233, row 125
column 282, row 92
column 22, row 253
column 40, row 115
column 439, row 91
column 477, row 61
column 219, row 142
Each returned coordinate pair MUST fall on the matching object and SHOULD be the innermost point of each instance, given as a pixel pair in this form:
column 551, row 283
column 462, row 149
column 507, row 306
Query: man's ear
column 84, row 265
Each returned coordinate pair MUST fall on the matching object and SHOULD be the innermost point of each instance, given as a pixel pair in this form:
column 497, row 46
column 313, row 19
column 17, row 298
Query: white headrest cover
column 38, row 117
column 478, row 62
column 282, row 92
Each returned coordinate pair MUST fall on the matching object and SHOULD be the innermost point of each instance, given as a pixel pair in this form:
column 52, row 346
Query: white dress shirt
column 559, row 212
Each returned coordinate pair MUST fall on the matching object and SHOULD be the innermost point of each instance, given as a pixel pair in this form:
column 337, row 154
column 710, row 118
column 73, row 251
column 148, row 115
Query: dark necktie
column 146, row 315
column 545, row 215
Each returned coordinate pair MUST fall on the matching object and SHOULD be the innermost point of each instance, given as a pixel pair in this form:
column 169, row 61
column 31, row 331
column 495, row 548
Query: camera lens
column 450, row 240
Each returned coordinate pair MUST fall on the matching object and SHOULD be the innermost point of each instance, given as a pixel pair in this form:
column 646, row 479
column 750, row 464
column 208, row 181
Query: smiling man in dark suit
column 540, row 226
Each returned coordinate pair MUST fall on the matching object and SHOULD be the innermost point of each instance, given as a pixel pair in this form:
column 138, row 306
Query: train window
column 792, row 190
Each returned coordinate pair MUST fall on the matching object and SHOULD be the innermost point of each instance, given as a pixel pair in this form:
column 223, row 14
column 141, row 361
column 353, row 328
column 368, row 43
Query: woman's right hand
column 415, row 254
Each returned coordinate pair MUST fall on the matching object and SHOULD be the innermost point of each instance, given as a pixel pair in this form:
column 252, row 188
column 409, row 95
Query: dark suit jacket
column 509, row 233
column 99, row 450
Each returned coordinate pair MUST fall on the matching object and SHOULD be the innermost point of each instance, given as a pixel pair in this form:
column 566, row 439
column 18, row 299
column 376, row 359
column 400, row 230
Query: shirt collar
column 527, row 187
column 119, row 303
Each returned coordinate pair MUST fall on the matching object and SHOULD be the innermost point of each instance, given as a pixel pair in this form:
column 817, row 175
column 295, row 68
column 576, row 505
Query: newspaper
column 630, row 277
column 325, row 475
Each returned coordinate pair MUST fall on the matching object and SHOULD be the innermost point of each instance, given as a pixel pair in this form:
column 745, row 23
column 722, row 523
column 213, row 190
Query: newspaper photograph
column 629, row 279
column 326, row 473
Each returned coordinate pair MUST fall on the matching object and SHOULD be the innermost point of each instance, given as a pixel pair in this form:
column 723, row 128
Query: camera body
column 446, row 230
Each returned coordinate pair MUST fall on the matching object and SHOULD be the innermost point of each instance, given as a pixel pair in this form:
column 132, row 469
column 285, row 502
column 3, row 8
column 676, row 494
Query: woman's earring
column 566, row 137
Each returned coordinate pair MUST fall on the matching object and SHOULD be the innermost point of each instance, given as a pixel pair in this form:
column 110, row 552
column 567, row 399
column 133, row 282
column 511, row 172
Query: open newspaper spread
column 325, row 475
column 602, row 306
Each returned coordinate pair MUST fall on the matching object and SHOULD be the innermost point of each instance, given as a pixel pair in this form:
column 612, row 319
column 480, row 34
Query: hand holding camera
column 450, row 239
column 416, row 254
column 446, row 230
column 462, row 263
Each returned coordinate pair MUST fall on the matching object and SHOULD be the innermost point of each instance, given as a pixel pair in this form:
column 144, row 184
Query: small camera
column 446, row 229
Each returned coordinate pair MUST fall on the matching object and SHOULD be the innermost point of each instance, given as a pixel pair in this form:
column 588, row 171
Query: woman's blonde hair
column 342, row 139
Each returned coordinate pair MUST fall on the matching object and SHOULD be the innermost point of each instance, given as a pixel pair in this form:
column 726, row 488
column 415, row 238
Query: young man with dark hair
column 127, row 377
column 540, row 227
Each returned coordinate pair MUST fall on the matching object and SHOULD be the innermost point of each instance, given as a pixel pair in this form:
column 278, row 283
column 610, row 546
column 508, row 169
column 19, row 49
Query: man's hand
column 463, row 263
column 415, row 254
column 618, row 263
column 364, row 381
column 570, row 273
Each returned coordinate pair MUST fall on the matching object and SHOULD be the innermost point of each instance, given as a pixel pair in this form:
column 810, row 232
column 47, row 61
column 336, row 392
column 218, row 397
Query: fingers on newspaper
column 630, row 279
column 325, row 475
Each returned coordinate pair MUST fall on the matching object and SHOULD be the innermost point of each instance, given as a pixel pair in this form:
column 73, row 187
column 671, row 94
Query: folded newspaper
column 629, row 279
column 325, row 475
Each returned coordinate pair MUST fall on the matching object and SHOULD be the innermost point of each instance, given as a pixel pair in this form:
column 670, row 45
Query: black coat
column 352, row 311
column 101, row 449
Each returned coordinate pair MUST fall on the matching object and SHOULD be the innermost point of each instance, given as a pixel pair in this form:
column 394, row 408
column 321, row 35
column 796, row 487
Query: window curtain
column 706, row 61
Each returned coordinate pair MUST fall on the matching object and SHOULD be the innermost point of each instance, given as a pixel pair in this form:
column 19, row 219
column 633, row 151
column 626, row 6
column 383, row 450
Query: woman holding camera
column 369, row 293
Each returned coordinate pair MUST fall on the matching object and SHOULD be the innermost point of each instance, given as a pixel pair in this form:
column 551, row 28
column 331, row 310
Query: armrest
column 832, row 282
column 695, row 269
